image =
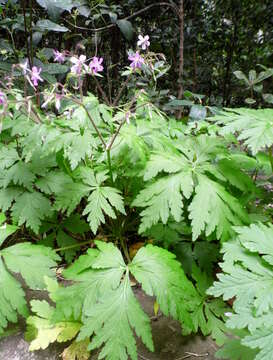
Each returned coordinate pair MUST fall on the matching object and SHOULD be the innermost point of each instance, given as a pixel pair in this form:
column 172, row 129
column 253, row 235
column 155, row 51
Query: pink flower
column 143, row 41
column 79, row 63
column 58, row 98
column 59, row 56
column 136, row 60
column 35, row 75
column 95, row 65
column 3, row 99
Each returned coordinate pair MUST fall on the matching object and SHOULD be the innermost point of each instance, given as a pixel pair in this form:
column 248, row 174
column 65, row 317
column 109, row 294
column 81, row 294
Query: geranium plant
column 76, row 172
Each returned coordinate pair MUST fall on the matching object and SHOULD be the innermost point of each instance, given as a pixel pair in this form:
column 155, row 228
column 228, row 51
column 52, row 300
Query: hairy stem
column 76, row 101
column 125, row 249
column 110, row 165
column 75, row 245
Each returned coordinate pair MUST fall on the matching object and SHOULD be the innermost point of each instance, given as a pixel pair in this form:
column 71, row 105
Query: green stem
column 270, row 150
column 74, row 246
column 76, row 101
column 110, row 166
column 125, row 249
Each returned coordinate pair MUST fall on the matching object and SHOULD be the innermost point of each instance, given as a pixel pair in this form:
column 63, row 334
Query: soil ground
column 169, row 344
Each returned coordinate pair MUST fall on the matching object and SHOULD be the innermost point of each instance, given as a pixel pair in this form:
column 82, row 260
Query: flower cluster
column 136, row 59
column 95, row 66
column 35, row 75
column 32, row 75
column 59, row 56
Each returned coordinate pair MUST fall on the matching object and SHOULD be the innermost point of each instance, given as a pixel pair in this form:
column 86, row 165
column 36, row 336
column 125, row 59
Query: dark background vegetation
column 204, row 42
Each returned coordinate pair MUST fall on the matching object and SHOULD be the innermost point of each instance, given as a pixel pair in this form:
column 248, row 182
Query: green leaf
column 7, row 196
column 55, row 69
column 248, row 278
column 262, row 339
column 198, row 112
column 234, row 350
column 163, row 198
column 56, row 7
column 169, row 163
column 246, row 286
column 210, row 314
column 20, row 174
column 103, row 200
column 48, row 25
column 126, row 28
column 252, row 75
column 64, row 240
column 264, row 75
column 23, row 258
column 257, row 238
column 70, row 196
column 54, row 182
column 12, row 298
column 255, row 126
column 106, row 299
column 5, row 229
column 75, row 224
column 8, row 156
column 31, row 208
column 235, row 176
column 162, row 276
column 268, row 98
column 213, row 208
column 119, row 307
column 206, row 255
column 241, row 76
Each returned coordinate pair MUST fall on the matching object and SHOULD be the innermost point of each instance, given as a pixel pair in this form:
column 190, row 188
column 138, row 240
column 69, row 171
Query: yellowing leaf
column 77, row 351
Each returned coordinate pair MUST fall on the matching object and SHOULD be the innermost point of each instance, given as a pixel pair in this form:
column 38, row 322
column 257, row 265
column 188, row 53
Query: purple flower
column 35, row 75
column 79, row 63
column 143, row 41
column 59, row 56
column 3, row 99
column 95, row 65
column 136, row 60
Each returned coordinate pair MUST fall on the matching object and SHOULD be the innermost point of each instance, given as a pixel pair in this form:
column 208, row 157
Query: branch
column 110, row 26
column 116, row 100
column 101, row 91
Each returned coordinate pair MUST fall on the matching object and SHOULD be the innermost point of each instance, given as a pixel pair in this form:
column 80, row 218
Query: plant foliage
column 248, row 277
